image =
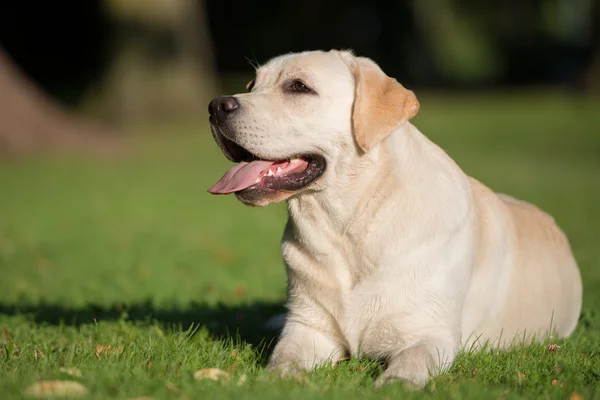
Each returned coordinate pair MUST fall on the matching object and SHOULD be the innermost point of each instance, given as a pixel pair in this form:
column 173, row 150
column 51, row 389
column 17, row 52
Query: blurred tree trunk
column 592, row 75
column 163, row 66
column 31, row 122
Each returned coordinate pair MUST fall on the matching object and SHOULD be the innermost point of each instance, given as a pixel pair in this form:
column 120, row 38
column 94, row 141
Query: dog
column 391, row 250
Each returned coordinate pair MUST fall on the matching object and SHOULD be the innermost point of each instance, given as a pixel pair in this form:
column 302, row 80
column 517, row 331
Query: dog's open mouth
column 251, row 172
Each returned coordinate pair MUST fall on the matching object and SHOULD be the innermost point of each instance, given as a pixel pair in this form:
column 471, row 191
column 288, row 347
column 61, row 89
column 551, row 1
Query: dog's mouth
column 255, row 174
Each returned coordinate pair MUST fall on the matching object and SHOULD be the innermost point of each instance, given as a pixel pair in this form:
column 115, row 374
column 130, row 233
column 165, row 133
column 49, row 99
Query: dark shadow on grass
column 247, row 323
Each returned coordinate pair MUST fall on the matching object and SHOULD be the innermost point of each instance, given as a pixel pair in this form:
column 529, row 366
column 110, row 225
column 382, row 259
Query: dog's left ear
column 381, row 104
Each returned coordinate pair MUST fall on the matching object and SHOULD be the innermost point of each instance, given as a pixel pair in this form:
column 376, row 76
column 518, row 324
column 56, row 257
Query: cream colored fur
column 395, row 253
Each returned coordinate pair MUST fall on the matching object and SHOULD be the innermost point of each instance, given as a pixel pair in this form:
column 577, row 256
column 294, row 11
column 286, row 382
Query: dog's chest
column 339, row 274
column 340, row 287
column 360, row 308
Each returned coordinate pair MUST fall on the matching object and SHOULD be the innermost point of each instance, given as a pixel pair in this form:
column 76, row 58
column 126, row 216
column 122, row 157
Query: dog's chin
column 262, row 197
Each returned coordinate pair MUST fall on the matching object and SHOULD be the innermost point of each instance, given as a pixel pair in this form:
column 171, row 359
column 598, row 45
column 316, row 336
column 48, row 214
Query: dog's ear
column 381, row 104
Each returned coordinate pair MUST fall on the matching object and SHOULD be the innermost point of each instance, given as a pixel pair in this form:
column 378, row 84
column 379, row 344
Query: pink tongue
column 240, row 177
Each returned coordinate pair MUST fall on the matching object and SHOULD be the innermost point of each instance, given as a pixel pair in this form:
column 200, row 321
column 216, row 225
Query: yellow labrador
column 391, row 250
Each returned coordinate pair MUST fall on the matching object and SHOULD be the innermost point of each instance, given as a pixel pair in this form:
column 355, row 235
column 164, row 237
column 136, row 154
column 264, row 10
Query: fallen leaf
column 552, row 347
column 213, row 374
column 101, row 348
column 172, row 387
column 71, row 371
column 6, row 335
column 555, row 382
column 576, row 396
column 522, row 375
column 240, row 291
column 55, row 388
column 38, row 354
column 231, row 368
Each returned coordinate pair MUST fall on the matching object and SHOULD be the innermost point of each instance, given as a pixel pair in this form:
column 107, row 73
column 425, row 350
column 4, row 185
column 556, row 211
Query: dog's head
column 304, row 116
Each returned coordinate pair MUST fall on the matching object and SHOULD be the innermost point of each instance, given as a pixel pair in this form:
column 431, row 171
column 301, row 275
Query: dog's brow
column 281, row 72
column 299, row 74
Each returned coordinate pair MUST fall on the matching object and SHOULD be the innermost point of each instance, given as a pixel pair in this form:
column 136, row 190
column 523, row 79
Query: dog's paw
column 287, row 371
column 408, row 384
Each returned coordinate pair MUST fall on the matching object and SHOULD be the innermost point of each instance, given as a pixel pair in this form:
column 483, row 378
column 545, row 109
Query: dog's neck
column 376, row 173
column 406, row 171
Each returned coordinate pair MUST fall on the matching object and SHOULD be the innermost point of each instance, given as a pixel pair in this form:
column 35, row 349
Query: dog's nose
column 220, row 107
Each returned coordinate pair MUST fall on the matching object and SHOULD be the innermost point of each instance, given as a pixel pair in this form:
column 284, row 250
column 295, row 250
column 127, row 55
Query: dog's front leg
column 416, row 365
column 303, row 347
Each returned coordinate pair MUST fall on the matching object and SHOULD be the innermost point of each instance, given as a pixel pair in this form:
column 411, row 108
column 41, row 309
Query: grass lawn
column 134, row 254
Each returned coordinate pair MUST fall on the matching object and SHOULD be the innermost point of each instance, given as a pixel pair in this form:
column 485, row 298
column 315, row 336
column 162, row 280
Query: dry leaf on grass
column 552, row 347
column 108, row 349
column 576, row 396
column 6, row 335
column 231, row 368
column 55, row 388
column 240, row 291
column 38, row 354
column 173, row 388
column 71, row 371
column 555, row 382
column 213, row 374
column 102, row 348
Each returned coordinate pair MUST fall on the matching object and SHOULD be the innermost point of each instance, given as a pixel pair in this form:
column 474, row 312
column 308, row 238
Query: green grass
column 133, row 253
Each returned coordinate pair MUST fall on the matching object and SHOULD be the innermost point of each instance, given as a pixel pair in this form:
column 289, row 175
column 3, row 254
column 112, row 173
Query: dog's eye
column 250, row 85
column 298, row 87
